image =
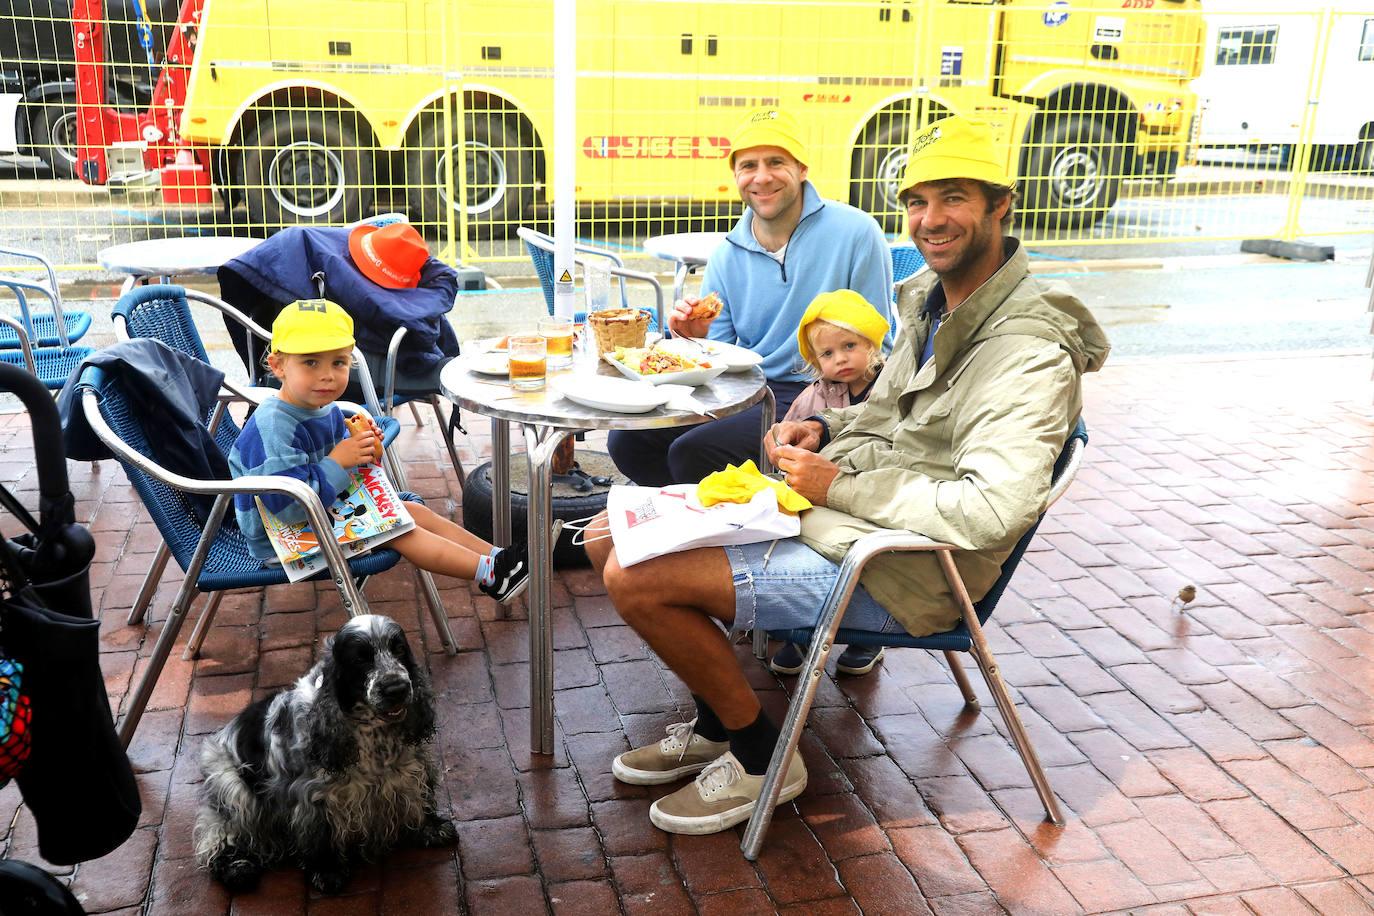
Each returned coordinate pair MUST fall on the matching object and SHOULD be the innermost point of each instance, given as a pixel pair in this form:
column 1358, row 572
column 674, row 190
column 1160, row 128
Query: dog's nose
column 393, row 691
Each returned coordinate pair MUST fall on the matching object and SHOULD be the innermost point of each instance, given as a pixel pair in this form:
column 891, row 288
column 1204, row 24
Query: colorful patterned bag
column 16, row 739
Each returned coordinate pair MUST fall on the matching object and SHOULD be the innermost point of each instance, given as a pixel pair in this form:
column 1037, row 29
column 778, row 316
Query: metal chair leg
column 1000, row 695
column 202, row 627
column 436, row 612
column 448, row 425
column 414, row 412
column 760, row 643
column 956, row 668
column 822, row 641
column 394, row 470
column 149, row 587
column 171, row 628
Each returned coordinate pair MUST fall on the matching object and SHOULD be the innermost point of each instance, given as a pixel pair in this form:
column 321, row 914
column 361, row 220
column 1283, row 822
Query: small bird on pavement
column 1185, row 597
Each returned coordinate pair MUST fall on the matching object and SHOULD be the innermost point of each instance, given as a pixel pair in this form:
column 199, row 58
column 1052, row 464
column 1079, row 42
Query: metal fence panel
column 1123, row 120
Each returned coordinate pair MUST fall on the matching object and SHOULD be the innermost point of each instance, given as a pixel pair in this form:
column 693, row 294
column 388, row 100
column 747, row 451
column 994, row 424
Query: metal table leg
column 680, row 279
column 500, row 483
column 769, row 417
column 540, row 445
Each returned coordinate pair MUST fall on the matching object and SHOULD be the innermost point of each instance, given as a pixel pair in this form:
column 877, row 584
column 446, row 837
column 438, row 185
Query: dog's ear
column 421, row 722
column 333, row 745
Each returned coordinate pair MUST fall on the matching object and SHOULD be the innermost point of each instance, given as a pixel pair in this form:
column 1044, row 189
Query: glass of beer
column 528, row 359
column 557, row 332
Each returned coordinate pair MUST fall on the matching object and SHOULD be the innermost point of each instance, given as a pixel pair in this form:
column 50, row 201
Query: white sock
column 486, row 567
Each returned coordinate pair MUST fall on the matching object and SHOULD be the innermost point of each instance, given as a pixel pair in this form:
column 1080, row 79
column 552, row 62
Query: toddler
column 840, row 338
column 300, row 433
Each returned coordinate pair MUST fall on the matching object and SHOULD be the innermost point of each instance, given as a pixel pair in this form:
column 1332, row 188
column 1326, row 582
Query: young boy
column 300, row 433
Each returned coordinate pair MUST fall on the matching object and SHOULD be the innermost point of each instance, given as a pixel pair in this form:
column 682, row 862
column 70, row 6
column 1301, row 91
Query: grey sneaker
column 721, row 797
column 682, row 753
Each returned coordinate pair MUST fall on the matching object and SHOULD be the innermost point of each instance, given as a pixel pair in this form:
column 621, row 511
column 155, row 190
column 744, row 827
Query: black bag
column 77, row 780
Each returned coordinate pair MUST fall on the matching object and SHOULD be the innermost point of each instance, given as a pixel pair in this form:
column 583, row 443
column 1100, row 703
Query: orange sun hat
column 392, row 256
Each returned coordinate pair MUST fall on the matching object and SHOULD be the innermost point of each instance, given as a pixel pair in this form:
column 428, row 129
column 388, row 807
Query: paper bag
column 649, row 522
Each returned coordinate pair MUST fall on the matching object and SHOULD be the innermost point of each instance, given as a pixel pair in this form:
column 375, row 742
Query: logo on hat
column 392, row 256
column 925, row 139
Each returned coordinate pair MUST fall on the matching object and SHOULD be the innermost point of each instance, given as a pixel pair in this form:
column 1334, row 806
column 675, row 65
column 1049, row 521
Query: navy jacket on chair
column 281, row 271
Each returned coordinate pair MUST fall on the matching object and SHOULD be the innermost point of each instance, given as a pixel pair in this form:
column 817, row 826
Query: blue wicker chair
column 58, row 328
column 51, row 365
column 906, row 260
column 967, row 636
column 540, row 249
column 214, row 554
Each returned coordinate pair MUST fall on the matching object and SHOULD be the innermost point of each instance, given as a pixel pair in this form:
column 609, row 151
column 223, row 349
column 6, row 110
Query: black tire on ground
column 499, row 173
column 1073, row 173
column 52, row 134
column 876, row 170
column 303, row 167
column 477, row 515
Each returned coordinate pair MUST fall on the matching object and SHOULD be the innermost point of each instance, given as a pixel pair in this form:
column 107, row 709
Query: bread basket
column 618, row 328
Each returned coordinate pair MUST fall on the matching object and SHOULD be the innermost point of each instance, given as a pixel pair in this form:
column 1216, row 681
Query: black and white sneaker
column 511, row 574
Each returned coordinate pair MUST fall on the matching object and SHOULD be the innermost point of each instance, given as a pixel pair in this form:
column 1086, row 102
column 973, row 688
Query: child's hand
column 352, row 451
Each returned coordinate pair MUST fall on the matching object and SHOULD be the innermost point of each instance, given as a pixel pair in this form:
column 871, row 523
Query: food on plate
column 501, row 343
column 655, row 361
column 707, row 307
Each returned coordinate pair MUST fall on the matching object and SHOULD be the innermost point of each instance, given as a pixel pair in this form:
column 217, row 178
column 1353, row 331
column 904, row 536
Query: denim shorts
column 791, row 590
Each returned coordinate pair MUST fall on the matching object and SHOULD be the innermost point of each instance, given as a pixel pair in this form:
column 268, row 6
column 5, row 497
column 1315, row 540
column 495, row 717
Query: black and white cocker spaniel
column 337, row 769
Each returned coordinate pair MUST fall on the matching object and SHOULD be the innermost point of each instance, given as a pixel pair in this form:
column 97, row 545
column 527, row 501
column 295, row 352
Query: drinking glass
column 557, row 332
column 528, row 362
column 596, row 284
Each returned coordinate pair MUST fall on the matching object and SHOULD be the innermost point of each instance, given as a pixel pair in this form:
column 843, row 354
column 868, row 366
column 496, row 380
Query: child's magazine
column 368, row 513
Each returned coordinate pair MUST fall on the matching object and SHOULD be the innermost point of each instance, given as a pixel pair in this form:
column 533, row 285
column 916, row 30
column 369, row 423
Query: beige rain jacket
column 961, row 451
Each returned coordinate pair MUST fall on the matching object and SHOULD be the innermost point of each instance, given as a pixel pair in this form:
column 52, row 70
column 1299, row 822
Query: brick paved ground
column 1214, row 760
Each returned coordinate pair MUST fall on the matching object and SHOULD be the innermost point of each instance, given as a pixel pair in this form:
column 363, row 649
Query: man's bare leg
column 672, row 602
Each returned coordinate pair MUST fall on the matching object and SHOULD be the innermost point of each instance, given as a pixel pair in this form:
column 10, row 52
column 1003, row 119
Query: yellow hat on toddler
column 312, row 326
column 846, row 309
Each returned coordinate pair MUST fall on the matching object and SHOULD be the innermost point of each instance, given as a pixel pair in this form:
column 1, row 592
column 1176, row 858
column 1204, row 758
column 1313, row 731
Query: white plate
column 734, row 358
column 490, row 364
column 602, row 393
column 688, row 377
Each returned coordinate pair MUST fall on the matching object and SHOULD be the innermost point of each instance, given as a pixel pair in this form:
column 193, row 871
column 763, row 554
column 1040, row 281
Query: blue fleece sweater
column 834, row 247
column 280, row 438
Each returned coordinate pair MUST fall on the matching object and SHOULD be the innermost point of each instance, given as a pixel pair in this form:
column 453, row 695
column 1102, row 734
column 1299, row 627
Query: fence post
column 1302, row 154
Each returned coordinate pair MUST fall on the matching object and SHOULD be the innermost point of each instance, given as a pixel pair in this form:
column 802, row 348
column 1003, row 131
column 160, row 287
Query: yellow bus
column 316, row 107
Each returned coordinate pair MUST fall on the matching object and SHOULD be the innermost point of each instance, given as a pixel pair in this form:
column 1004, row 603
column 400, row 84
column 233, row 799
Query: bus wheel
column 1073, row 173
column 52, row 135
column 306, row 167
column 497, row 163
column 876, row 170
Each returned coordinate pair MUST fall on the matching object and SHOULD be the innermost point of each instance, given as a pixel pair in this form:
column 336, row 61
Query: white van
column 1259, row 62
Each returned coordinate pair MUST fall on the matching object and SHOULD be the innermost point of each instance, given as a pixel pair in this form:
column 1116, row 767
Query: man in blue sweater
column 789, row 246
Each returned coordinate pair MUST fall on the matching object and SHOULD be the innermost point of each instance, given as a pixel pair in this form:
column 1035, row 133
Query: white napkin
column 680, row 398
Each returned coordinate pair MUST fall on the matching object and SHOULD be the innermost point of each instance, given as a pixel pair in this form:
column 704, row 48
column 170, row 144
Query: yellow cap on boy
column 312, row 326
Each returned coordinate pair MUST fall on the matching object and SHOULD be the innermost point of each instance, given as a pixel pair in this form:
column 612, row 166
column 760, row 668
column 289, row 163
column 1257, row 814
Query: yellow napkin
column 739, row 484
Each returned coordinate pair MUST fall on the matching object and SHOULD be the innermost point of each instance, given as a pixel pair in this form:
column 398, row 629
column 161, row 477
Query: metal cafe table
column 547, row 419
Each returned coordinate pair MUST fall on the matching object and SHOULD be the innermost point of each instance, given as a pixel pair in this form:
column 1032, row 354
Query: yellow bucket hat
column 312, row 326
column 954, row 148
column 847, row 309
column 769, row 127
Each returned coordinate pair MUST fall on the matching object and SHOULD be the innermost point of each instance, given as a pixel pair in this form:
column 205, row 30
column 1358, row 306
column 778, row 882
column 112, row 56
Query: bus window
column 1367, row 41
column 1247, row 46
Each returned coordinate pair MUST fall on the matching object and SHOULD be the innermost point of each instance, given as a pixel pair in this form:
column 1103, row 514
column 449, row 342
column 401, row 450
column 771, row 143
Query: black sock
column 708, row 726
column 753, row 745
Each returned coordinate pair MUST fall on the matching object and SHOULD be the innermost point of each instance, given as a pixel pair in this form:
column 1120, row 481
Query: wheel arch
column 1107, row 103
column 484, row 99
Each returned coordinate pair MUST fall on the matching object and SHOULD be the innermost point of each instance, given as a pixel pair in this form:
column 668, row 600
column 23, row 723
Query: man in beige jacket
column 957, row 442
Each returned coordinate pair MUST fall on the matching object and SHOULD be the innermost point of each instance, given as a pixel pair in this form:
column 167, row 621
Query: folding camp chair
column 540, row 248
column 215, row 554
column 59, row 328
column 966, row 637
